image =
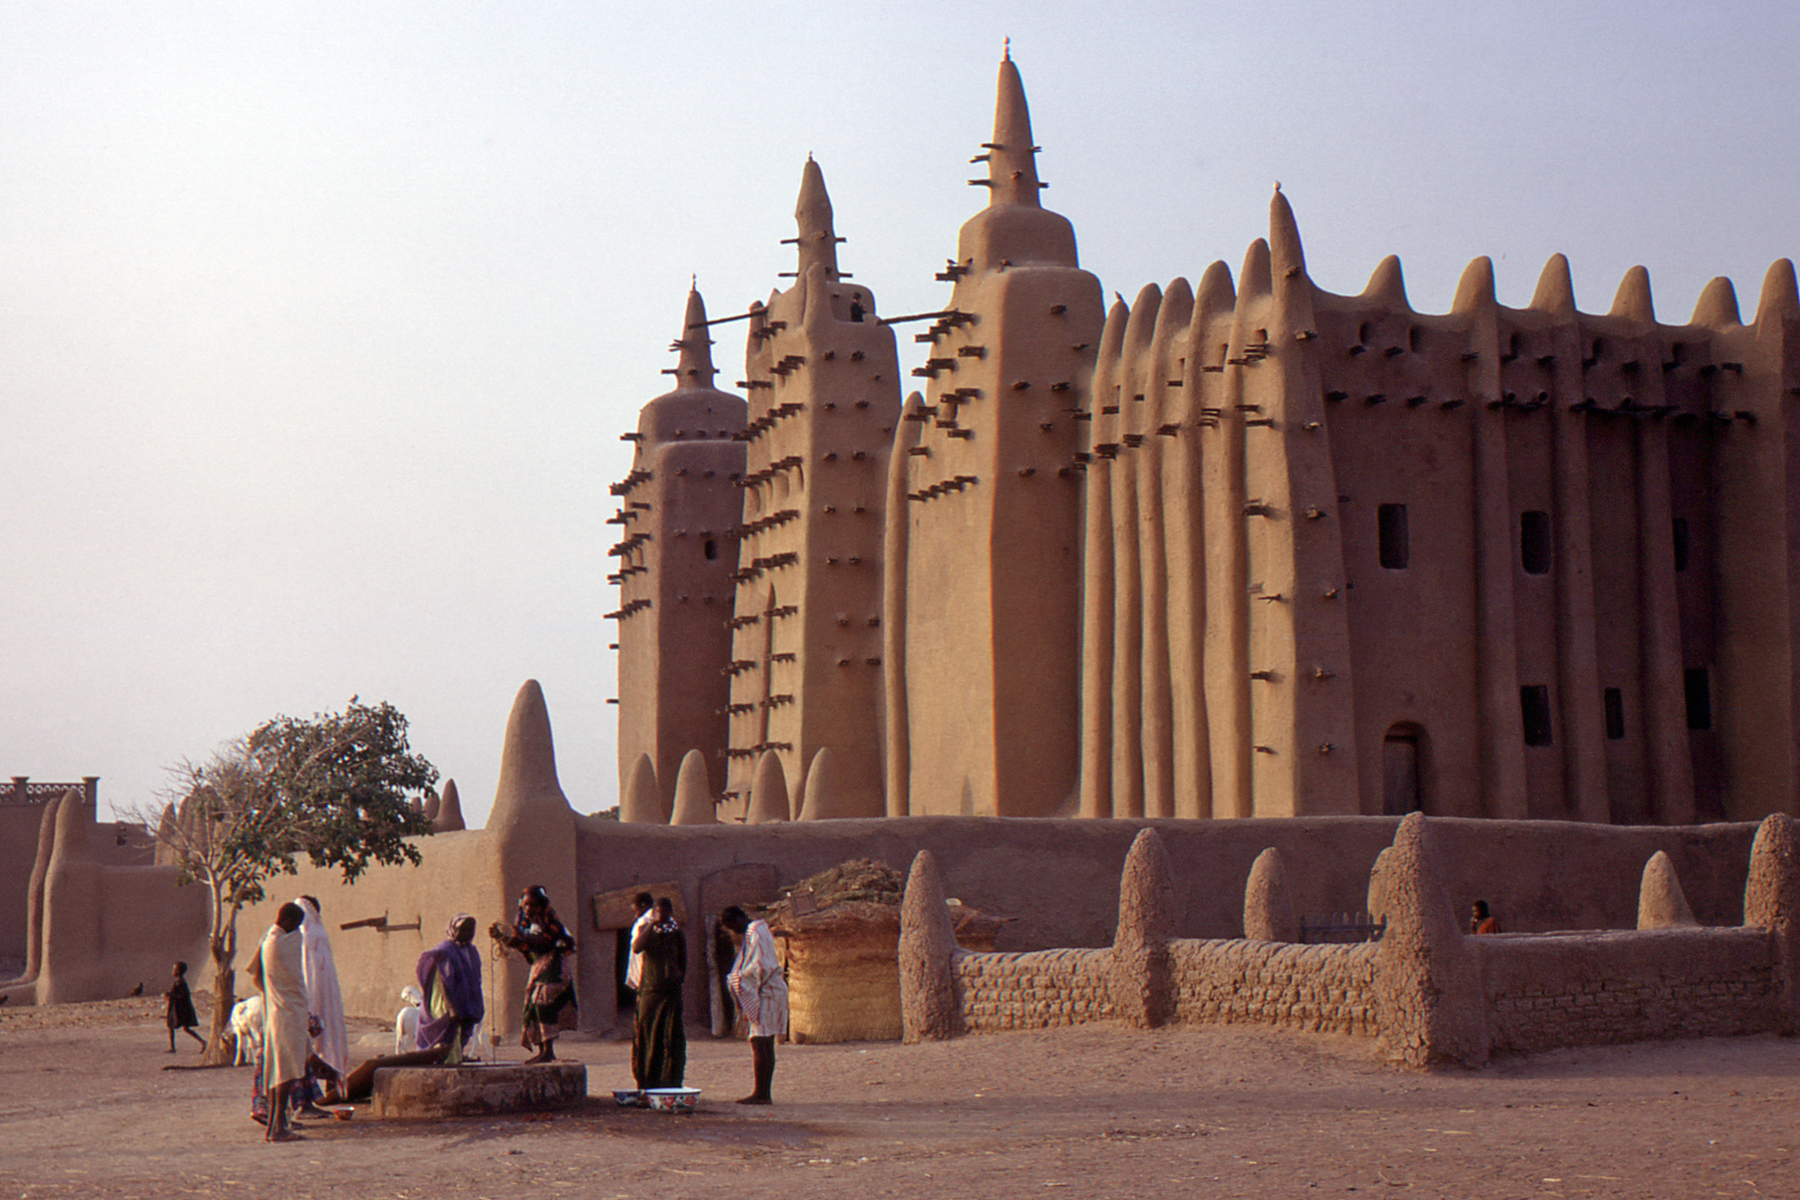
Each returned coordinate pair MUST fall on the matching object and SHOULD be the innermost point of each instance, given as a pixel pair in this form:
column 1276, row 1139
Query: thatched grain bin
column 843, row 959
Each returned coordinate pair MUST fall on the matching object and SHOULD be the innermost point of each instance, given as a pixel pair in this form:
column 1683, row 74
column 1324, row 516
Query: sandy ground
column 86, row 1109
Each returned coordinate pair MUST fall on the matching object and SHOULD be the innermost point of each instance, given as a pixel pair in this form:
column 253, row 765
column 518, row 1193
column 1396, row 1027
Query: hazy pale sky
column 319, row 321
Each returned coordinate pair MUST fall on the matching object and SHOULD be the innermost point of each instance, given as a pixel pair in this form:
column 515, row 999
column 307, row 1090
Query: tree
column 342, row 789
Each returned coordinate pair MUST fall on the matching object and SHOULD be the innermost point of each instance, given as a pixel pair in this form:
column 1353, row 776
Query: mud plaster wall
column 1523, row 992
column 1589, row 989
column 457, row 876
column 1033, row 990
column 1314, row 989
column 1541, row 991
column 1058, row 880
column 19, row 825
column 1308, row 988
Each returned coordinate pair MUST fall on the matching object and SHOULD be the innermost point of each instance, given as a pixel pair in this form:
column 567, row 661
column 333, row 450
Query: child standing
column 180, row 1013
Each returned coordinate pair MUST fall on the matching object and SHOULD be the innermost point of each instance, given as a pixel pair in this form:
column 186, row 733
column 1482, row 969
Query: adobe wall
column 105, row 928
column 458, row 875
column 1599, row 988
column 18, row 851
column 1313, row 989
column 1427, row 992
column 1057, row 880
column 1034, row 990
column 19, row 824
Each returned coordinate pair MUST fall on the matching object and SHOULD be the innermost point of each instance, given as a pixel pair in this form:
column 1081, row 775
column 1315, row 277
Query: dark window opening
column 1415, row 339
column 1534, row 542
column 1681, row 543
column 1400, row 773
column 1599, row 350
column 1615, row 713
column 1534, row 711
column 710, row 549
column 1362, row 333
column 1698, row 683
column 1512, row 347
column 1395, row 550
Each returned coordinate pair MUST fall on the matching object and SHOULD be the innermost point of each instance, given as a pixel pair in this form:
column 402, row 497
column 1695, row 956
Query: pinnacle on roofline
column 1012, row 155
column 817, row 239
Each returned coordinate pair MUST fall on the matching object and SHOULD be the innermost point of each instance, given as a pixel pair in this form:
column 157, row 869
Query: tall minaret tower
column 806, row 669
column 677, row 509
column 992, row 611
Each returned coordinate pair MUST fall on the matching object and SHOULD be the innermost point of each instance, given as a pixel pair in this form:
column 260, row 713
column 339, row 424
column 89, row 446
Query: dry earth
column 87, row 1110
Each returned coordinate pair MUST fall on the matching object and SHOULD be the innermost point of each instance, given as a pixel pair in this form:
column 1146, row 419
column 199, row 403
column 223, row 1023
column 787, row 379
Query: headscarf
column 324, row 998
column 546, row 928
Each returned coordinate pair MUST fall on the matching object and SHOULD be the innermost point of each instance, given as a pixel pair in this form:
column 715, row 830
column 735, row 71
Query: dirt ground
column 86, row 1109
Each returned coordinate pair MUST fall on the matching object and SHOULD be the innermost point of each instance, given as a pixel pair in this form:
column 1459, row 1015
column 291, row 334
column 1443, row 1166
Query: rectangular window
column 1390, row 522
column 1681, row 543
column 1615, row 713
column 1699, row 697
column 1534, row 710
column 1534, row 542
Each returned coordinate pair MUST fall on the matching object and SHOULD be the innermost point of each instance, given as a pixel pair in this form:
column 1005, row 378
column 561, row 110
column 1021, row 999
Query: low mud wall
column 1426, row 992
column 1595, row 989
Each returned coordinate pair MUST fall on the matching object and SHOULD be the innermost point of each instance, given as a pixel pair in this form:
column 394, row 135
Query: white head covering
column 324, row 999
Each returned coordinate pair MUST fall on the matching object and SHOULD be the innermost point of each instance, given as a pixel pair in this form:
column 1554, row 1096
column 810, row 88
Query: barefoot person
column 549, row 992
column 286, row 1044
column 450, row 977
column 760, row 990
column 659, row 1041
column 180, row 1011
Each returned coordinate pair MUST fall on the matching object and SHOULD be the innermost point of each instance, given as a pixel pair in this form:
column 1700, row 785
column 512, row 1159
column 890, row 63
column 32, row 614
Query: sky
column 320, row 321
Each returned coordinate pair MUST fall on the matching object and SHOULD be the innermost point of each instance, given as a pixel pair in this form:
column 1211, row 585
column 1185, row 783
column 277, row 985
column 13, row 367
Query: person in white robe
column 324, row 999
column 286, row 1045
column 759, row 986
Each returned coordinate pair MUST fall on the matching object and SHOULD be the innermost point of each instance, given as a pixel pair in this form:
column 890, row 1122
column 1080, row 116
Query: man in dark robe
column 659, row 1040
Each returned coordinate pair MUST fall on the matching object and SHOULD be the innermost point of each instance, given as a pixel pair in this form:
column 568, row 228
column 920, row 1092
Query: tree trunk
column 221, row 1046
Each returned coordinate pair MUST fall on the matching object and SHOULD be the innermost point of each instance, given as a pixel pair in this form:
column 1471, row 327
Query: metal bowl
column 672, row 1099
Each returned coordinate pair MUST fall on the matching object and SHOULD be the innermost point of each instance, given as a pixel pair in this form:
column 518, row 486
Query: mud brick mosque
column 1238, row 548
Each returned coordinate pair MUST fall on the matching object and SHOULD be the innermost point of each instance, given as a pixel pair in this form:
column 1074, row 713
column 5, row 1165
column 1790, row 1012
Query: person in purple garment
column 450, row 976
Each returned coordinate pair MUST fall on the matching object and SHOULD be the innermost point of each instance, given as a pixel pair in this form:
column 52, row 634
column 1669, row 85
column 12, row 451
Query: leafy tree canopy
column 339, row 789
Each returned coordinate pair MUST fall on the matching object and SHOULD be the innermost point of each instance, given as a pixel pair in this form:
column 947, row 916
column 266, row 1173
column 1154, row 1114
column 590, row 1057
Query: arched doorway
column 1403, row 770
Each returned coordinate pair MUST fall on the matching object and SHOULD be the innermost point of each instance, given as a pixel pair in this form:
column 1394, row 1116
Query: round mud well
column 478, row 1089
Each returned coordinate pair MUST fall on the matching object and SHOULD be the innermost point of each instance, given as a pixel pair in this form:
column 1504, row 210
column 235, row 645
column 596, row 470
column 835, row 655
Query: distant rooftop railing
column 22, row 791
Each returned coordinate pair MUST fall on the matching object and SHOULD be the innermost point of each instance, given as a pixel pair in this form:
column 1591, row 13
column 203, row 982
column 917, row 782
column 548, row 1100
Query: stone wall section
column 1310, row 989
column 1036, row 989
column 1544, row 991
column 1428, row 993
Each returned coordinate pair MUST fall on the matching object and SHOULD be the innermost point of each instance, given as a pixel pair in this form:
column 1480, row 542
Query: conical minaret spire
column 1014, row 228
column 812, row 212
column 1012, row 155
column 694, row 368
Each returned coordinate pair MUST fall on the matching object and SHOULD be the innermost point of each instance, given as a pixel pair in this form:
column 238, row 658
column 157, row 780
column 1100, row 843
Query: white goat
column 406, row 1024
column 246, row 1025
